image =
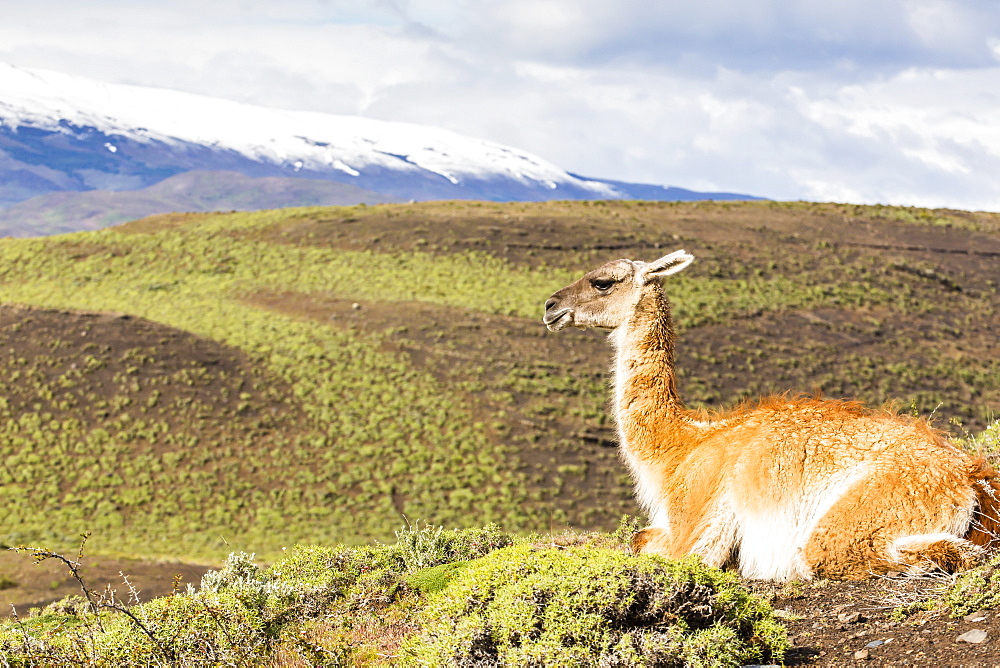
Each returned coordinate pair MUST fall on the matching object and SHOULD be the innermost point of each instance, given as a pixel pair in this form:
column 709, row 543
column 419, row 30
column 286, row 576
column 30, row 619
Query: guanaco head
column 607, row 296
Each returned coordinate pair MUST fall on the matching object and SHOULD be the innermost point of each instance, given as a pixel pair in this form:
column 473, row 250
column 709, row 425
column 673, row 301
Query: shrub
column 200, row 628
column 74, row 605
column 241, row 577
column 976, row 589
column 987, row 440
column 327, row 569
column 366, row 576
column 429, row 546
column 528, row 606
column 192, row 629
column 434, row 597
column 415, row 548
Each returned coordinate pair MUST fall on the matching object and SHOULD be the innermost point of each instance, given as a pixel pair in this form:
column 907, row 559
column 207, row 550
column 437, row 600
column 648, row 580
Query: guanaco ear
column 666, row 265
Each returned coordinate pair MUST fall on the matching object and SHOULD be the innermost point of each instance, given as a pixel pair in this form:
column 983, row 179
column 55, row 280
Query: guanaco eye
column 602, row 284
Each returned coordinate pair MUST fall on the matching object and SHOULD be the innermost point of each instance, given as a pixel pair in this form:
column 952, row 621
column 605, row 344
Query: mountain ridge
column 65, row 133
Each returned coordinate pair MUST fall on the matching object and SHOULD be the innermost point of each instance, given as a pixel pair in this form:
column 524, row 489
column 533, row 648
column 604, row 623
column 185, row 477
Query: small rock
column 861, row 655
column 874, row 643
column 977, row 616
column 356, row 306
column 975, row 636
column 849, row 617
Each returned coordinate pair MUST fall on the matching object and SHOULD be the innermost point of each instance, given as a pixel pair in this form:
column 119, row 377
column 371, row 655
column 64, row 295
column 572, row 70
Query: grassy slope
column 280, row 414
column 61, row 212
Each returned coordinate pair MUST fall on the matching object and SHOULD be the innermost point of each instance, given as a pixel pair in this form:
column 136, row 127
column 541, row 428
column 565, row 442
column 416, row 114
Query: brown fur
column 985, row 529
column 784, row 486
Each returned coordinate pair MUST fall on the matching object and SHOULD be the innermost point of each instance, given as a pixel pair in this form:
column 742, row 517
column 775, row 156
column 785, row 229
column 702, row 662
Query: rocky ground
column 850, row 623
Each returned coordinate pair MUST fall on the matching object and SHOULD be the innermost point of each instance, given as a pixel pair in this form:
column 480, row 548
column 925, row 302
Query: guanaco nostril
column 549, row 304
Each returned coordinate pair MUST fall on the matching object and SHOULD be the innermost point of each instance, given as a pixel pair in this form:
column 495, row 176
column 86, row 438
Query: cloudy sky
column 893, row 101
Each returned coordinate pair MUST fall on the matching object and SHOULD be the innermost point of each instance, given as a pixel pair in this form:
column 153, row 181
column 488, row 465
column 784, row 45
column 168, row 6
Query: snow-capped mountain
column 61, row 132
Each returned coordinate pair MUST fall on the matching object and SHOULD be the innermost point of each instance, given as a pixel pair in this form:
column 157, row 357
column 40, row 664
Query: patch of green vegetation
column 526, row 606
column 415, row 602
column 987, row 441
column 436, row 578
column 225, row 626
column 975, row 589
column 243, row 614
column 909, row 214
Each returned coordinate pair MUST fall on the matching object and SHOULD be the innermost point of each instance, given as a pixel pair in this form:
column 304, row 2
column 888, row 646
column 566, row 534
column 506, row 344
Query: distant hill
column 654, row 193
column 64, row 133
column 189, row 384
column 195, row 191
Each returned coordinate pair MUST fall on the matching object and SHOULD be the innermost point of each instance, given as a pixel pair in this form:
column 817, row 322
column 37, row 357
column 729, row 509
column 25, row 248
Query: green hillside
column 190, row 385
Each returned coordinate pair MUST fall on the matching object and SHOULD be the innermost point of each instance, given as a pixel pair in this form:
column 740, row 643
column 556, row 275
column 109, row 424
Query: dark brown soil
column 849, row 623
column 559, row 233
column 35, row 585
column 108, row 349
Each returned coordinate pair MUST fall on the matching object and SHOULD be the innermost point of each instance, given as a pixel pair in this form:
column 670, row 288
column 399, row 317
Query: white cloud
column 870, row 100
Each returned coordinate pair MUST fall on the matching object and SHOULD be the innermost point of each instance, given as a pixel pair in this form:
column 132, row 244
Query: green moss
column 436, row 578
column 524, row 606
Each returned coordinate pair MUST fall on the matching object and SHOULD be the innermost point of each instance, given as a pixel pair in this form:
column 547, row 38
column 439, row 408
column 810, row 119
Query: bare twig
column 110, row 601
column 40, row 554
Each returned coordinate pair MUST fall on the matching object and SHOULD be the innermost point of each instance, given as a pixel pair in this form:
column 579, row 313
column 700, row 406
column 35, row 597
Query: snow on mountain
column 342, row 147
column 63, row 133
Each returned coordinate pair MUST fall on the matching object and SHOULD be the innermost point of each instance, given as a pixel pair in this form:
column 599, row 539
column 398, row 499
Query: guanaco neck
column 648, row 408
